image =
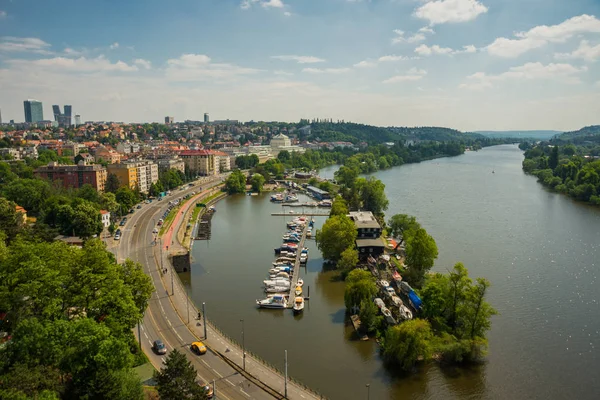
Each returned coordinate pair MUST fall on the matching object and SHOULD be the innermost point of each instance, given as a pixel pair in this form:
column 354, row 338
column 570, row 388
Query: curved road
column 163, row 321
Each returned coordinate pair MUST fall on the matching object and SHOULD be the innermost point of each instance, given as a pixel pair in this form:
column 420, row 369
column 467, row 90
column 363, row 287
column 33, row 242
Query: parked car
column 208, row 391
column 118, row 236
column 198, row 348
column 160, row 222
column 139, row 206
column 155, row 231
column 131, row 211
column 159, row 347
column 123, row 221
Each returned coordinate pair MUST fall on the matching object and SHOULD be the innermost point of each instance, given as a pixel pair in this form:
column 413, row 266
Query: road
column 163, row 321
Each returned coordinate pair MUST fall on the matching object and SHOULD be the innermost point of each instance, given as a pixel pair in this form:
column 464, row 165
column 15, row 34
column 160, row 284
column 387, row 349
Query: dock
column 356, row 323
column 299, row 214
column 296, row 271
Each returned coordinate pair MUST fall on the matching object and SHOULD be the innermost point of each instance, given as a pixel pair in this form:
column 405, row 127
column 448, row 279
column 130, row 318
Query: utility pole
column 286, row 376
column 139, row 335
column 204, row 317
column 368, row 385
column 214, row 388
column 243, row 347
column 188, row 303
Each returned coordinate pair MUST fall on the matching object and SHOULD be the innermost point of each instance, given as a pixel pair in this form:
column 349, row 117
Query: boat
column 273, row 302
column 397, row 301
column 300, row 282
column 290, row 198
column 405, row 312
column 388, row 316
column 305, row 250
column 298, row 290
column 303, row 259
column 277, row 289
column 384, row 284
column 277, row 282
column 298, row 305
column 309, row 234
column 379, row 303
column 283, row 275
column 277, row 198
column 325, row 203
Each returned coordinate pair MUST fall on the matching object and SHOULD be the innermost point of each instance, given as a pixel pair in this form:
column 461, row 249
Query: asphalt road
column 161, row 321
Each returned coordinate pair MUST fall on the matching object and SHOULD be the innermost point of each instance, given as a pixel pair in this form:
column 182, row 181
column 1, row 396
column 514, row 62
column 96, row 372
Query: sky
column 463, row 64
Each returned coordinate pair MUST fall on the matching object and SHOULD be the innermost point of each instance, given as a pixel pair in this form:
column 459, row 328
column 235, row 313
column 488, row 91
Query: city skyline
column 463, row 64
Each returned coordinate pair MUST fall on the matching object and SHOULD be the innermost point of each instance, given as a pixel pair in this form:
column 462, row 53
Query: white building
column 105, row 218
column 281, row 142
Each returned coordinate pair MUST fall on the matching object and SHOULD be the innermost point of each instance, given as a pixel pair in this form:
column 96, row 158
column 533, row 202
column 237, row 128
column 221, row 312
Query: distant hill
column 589, row 134
column 350, row 132
column 434, row 133
column 540, row 135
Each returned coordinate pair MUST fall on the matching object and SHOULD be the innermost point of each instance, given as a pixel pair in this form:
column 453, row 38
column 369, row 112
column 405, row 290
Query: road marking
column 169, row 322
column 217, row 372
column 146, row 335
column 247, row 395
column 228, row 381
column 150, row 342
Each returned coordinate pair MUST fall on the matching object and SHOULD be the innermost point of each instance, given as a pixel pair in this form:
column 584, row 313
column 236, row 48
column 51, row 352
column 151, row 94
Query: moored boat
column 405, row 312
column 278, row 301
column 298, row 305
column 298, row 291
column 300, row 282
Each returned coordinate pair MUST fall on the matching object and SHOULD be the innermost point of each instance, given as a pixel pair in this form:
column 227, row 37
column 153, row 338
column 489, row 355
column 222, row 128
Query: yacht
column 300, row 282
column 405, row 312
column 277, row 289
column 298, row 305
column 273, row 302
column 298, row 291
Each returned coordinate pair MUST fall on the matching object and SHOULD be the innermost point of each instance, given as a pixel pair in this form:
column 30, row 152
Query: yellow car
column 198, row 347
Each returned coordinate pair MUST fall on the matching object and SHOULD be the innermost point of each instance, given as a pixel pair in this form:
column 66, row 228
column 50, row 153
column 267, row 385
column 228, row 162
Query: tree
column 112, row 183
column 86, row 220
column 126, row 198
column 177, row 379
column 138, row 283
column 339, row 207
column 11, row 222
column 108, row 202
column 407, row 343
column 235, row 182
column 421, row 252
column 553, row 160
column 369, row 318
column 403, row 226
column 372, row 195
column 112, row 228
column 257, row 181
column 284, row 156
column 337, row 234
column 477, row 312
column 348, row 259
column 360, row 286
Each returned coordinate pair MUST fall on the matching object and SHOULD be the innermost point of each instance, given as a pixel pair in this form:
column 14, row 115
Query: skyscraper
column 62, row 119
column 77, row 119
column 168, row 120
column 206, row 120
column 56, row 112
column 33, row 111
column 67, row 119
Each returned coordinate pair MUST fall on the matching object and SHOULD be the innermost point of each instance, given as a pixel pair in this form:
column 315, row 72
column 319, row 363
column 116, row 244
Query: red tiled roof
column 195, row 153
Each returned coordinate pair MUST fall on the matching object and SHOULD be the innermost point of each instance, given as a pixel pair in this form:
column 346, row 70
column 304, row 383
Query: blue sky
column 465, row 64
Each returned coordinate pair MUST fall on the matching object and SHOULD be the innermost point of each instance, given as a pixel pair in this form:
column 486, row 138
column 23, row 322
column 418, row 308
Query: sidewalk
column 269, row 378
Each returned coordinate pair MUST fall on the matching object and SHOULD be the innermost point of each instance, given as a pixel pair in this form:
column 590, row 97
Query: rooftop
column 364, row 219
column 316, row 190
column 369, row 243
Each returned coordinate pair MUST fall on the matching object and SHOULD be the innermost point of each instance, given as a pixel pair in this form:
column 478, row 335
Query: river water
column 540, row 251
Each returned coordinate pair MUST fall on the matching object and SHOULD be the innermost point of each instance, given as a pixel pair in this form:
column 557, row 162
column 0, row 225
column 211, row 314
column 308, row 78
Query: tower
column 33, row 111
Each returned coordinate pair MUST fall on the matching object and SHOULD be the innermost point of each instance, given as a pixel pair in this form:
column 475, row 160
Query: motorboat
column 277, row 289
column 303, row 259
column 300, row 282
column 388, row 316
column 290, row 198
column 379, row 302
column 384, row 284
column 305, row 250
column 298, row 305
column 277, row 198
column 273, row 302
column 283, row 275
column 397, row 301
column 405, row 287
column 405, row 312
column 277, row 282
column 285, row 259
column 298, row 291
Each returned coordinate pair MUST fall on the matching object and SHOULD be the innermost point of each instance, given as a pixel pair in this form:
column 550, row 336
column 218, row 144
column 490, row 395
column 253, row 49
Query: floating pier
column 296, row 271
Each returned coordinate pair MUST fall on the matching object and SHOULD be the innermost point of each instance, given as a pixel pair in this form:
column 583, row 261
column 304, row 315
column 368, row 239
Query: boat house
column 317, row 193
column 369, row 241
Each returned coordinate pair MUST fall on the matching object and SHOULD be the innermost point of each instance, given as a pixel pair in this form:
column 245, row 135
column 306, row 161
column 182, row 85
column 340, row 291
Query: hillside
column 350, row 132
column 434, row 133
column 589, row 134
column 534, row 134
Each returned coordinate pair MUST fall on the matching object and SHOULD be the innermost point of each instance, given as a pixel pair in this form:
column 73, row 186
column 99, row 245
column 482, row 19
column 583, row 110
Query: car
column 139, row 206
column 208, row 391
column 131, row 211
column 118, row 231
column 154, row 230
column 159, row 347
column 122, row 223
column 198, row 348
column 118, row 236
column 160, row 222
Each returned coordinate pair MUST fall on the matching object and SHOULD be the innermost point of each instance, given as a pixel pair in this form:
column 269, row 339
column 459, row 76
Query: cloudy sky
column 465, row 64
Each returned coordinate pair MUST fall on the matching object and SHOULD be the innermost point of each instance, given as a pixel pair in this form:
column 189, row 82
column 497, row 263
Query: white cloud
column 541, row 35
column 3, row 14
column 412, row 74
column 443, row 11
column 427, row 29
column 425, row 50
column 72, row 52
column 198, row 67
column 246, row 4
column 584, row 52
column 366, row 64
column 370, row 63
column 143, row 63
column 113, row 46
column 400, row 38
column 81, row 64
column 299, row 59
column 272, row 3
column 33, row 45
column 326, row 70
column 391, row 58
column 283, row 73
column 287, row 14
column 531, row 71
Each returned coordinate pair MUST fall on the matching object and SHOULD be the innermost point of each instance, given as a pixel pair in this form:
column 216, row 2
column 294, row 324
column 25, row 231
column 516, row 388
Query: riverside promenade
column 257, row 372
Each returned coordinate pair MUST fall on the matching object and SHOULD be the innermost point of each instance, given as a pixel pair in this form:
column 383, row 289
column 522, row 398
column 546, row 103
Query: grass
column 169, row 220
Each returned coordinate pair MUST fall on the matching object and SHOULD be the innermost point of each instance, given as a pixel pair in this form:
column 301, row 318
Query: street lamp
column 368, row 385
column 243, row 347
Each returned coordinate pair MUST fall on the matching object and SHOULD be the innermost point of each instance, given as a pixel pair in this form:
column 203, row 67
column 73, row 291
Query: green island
column 569, row 163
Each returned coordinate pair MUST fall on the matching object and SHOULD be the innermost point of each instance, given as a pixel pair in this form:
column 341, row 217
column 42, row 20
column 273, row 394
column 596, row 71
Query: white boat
column 397, row 301
column 405, row 312
column 277, row 289
column 388, row 316
column 273, row 302
column 298, row 291
column 298, row 305
column 277, row 282
column 303, row 259
column 384, row 284
column 300, row 282
column 283, row 275
column 379, row 303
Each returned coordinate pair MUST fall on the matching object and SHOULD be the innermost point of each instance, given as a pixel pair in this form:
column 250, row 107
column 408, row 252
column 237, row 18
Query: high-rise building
column 62, row 119
column 168, row 120
column 206, row 119
column 68, row 114
column 33, row 111
column 56, row 112
column 77, row 119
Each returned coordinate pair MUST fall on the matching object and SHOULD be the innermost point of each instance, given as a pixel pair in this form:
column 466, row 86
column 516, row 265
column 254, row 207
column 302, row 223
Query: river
column 540, row 251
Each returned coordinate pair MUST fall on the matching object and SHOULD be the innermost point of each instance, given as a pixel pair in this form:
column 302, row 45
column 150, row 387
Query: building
column 75, row 175
column 368, row 240
column 141, row 174
column 224, row 160
column 85, row 157
column 19, row 153
column 105, row 218
column 281, row 142
column 199, row 162
column 77, row 120
column 128, row 148
column 107, row 155
column 63, row 120
column 166, row 164
column 318, row 193
column 169, row 120
column 34, row 111
column 206, row 119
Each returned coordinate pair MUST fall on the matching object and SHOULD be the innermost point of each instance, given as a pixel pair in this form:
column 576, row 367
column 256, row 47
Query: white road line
column 169, row 322
column 146, row 335
column 217, row 372
column 228, row 381
column 150, row 342
column 247, row 395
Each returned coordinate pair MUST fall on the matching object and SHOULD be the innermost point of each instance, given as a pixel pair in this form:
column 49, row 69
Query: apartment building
column 141, row 174
column 74, row 175
column 200, row 162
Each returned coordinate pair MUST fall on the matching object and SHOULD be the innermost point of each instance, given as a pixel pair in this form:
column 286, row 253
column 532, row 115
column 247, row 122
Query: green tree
column 257, row 181
column 339, row 207
column 360, row 285
column 138, row 283
column 403, row 226
column 177, row 379
column 553, row 160
column 348, row 259
column 284, row 156
column 11, row 222
column 477, row 312
column 235, row 182
column 126, row 198
column 86, row 220
column 108, row 201
column 421, row 252
column 112, row 183
column 407, row 343
column 369, row 318
column 337, row 234
column 372, row 195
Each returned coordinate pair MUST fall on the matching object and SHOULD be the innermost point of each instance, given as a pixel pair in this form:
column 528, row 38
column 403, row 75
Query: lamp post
column 368, row 385
column 243, row 347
